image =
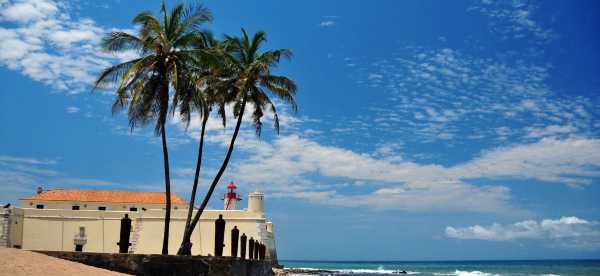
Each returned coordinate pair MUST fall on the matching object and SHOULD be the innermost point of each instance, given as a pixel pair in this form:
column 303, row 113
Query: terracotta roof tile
column 105, row 196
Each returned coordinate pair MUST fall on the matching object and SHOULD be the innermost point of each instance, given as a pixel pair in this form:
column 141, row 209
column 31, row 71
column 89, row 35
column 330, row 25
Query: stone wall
column 4, row 226
column 142, row 264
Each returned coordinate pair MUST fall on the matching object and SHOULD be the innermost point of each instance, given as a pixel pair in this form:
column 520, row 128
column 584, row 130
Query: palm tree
column 200, row 97
column 143, row 83
column 244, row 78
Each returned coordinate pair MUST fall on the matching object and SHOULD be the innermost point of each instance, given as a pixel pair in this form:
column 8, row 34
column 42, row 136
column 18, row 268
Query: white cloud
column 46, row 44
column 327, row 23
column 551, row 130
column 569, row 161
column 72, row 109
column 21, row 175
column 375, row 76
column 568, row 232
column 514, row 19
column 26, row 160
column 25, row 10
column 437, row 95
column 80, row 182
column 287, row 166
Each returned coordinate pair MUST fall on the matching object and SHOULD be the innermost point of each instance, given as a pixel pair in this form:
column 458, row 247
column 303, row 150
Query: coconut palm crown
column 164, row 44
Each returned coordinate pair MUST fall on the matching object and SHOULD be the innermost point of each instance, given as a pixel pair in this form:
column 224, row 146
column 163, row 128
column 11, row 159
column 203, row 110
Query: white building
column 49, row 220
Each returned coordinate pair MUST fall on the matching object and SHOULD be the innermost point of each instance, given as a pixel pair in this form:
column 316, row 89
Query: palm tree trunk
column 196, row 177
column 165, row 247
column 186, row 247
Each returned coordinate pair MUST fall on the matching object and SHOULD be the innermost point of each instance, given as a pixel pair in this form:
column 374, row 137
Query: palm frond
column 121, row 41
column 113, row 74
column 172, row 23
column 148, row 21
column 194, row 16
column 275, row 116
column 282, row 87
column 272, row 57
column 257, row 40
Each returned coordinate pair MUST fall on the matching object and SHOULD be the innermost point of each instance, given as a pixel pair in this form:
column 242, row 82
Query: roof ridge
column 104, row 195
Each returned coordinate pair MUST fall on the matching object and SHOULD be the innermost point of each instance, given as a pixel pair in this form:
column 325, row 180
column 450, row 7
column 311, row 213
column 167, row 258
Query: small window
column 75, row 207
column 39, row 206
column 102, row 208
column 133, row 209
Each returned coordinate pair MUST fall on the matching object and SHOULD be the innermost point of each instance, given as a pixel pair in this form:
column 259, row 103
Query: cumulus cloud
column 25, row 11
column 45, row 43
column 567, row 232
column 292, row 165
column 570, row 161
column 289, row 166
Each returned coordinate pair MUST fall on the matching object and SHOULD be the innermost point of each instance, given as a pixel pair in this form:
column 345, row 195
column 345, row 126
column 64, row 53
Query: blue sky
column 426, row 130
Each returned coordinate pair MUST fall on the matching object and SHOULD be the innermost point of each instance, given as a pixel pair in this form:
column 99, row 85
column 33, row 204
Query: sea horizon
column 455, row 267
column 441, row 260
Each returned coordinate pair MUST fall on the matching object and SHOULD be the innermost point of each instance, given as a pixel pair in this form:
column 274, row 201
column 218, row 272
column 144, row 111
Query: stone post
column 251, row 248
column 219, row 235
column 235, row 235
column 124, row 235
column 256, row 245
column 261, row 252
column 243, row 246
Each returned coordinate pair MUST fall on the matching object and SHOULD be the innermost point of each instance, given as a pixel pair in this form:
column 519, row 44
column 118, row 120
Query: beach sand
column 16, row 262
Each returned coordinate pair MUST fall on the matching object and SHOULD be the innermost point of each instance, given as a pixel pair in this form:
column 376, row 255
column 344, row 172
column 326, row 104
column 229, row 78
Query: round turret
column 255, row 202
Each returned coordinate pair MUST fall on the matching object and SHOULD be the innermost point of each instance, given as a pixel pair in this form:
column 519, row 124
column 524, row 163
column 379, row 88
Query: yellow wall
column 55, row 226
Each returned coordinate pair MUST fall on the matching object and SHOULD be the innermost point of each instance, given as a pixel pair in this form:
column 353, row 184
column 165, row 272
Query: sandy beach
column 17, row 262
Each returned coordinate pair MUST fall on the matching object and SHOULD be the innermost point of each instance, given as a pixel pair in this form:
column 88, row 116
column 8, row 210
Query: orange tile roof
column 105, row 196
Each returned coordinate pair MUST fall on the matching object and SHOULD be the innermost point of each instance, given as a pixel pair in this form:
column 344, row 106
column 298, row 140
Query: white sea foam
column 366, row 271
column 379, row 270
column 375, row 271
column 466, row 273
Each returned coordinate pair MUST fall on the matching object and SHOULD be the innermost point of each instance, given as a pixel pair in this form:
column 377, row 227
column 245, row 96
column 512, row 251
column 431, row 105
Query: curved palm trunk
column 197, row 175
column 186, row 245
column 165, row 247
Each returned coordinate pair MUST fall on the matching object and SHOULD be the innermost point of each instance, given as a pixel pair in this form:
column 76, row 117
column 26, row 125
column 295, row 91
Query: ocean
column 458, row 268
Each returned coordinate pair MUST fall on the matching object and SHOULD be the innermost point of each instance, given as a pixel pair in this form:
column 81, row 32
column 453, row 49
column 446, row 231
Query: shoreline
column 300, row 271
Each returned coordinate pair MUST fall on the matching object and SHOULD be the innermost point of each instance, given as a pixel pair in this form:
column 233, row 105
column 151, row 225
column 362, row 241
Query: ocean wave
column 466, row 273
column 379, row 270
column 374, row 271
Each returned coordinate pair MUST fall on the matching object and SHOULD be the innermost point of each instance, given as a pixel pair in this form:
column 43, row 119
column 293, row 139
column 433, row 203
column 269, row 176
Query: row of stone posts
column 256, row 250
